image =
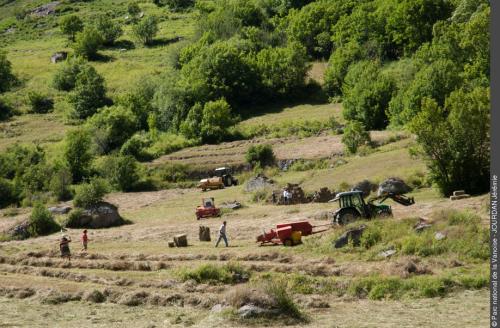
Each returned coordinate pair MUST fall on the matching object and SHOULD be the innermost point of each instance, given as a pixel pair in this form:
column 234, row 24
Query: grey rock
column 258, row 182
column 393, row 186
column 353, row 234
column 250, row 311
column 103, row 215
column 231, row 205
column 59, row 209
column 59, row 56
column 387, row 253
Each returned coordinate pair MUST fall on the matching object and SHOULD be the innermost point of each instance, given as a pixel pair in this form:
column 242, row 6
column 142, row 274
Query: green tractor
column 352, row 206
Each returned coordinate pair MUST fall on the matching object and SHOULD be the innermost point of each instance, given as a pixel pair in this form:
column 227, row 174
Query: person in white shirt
column 289, row 196
column 222, row 234
column 285, row 196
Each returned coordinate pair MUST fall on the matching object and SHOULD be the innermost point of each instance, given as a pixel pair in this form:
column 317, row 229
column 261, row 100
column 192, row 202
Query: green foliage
column 177, row 5
column 6, row 76
column 70, row 25
column 73, row 219
column 338, row 65
column 366, row 95
column 77, row 153
column 191, row 127
column 89, row 93
column 133, row 9
column 168, row 143
column 111, row 127
column 5, row 110
column 283, row 70
column 108, row 30
column 60, row 183
column 65, row 77
column 136, row 147
column 213, row 274
column 7, row 193
column 174, row 172
column 88, row 42
column 89, row 194
column 215, row 122
column 355, row 135
column 410, row 23
column 41, row 221
column 279, row 292
column 261, row 155
column 146, row 30
column 40, row 103
column 456, row 141
column 122, row 172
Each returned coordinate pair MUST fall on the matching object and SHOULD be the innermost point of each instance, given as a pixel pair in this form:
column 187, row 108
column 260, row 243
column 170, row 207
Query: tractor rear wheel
column 348, row 216
column 288, row 242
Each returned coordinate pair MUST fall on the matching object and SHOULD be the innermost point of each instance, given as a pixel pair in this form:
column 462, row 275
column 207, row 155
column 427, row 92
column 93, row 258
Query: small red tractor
column 207, row 209
column 288, row 234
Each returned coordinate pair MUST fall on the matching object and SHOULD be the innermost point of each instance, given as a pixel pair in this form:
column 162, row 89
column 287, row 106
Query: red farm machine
column 289, row 234
column 207, row 209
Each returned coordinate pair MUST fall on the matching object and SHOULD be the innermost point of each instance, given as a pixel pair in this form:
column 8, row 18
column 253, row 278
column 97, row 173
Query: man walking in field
column 222, row 234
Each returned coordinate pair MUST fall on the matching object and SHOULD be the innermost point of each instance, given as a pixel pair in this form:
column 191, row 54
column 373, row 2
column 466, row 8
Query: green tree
column 216, row 120
column 60, row 183
column 108, row 30
column 6, row 76
column 410, row 24
column 455, row 140
column 7, row 193
column 146, row 30
column 77, row 153
column 367, row 93
column 133, row 9
column 355, row 135
column 111, row 127
column 121, row 171
column 65, row 77
column 5, row 110
column 70, row 25
column 89, row 194
column 40, row 103
column 261, row 155
column 88, row 42
column 338, row 65
column 191, row 127
column 283, row 70
column 41, row 221
column 89, row 93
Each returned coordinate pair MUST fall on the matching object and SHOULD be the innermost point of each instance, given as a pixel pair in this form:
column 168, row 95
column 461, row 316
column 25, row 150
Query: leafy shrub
column 111, row 127
column 262, row 155
column 41, row 221
column 88, row 42
column 90, row 193
column 70, row 25
column 65, row 78
column 214, row 274
column 168, row 143
column 215, row 122
column 278, row 292
column 108, row 30
column 136, row 147
column 73, row 219
column 176, row 5
column 121, row 171
column 40, row 103
column 355, row 136
column 174, row 172
column 6, row 76
column 77, row 153
column 89, row 93
column 5, row 110
column 7, row 193
column 60, row 184
column 366, row 95
column 145, row 30
column 133, row 9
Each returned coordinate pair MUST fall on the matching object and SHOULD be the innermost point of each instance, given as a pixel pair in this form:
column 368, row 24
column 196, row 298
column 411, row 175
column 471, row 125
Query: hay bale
column 181, row 240
column 204, row 233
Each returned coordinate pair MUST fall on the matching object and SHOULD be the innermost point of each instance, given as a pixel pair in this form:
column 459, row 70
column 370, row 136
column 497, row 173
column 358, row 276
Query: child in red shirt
column 85, row 240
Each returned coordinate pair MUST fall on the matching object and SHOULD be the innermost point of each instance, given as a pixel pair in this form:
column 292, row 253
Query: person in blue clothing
column 222, row 234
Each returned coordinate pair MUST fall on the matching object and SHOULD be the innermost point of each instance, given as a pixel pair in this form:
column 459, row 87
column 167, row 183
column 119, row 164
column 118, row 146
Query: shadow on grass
column 122, row 44
column 161, row 42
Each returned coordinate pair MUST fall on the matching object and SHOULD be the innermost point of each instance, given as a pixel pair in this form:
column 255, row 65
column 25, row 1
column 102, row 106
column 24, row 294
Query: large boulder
column 102, row 215
column 393, row 186
column 258, row 182
column 59, row 210
column 366, row 186
column 19, row 230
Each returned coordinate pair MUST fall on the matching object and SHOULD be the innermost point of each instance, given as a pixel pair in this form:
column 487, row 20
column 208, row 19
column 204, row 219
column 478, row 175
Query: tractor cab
column 227, row 178
column 208, row 202
column 353, row 206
